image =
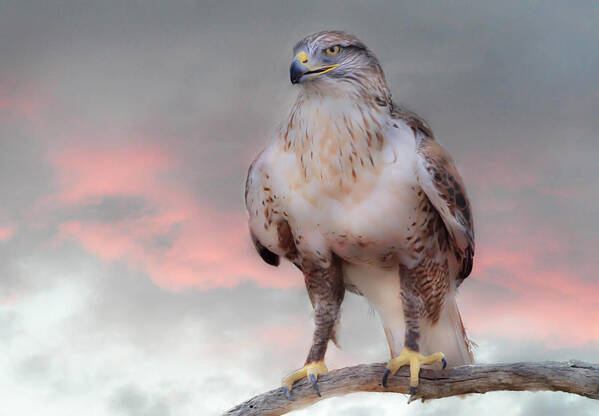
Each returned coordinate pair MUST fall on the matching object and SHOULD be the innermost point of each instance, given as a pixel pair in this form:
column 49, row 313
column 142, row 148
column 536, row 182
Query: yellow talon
column 310, row 371
column 415, row 359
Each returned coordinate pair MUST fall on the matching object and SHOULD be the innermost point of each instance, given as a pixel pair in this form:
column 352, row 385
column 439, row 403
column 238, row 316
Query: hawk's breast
column 369, row 215
column 358, row 198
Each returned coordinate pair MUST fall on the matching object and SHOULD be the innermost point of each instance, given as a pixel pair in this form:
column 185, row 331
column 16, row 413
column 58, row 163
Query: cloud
column 103, row 335
column 177, row 240
column 66, row 341
column 191, row 351
column 520, row 289
column 6, row 233
column 128, row 400
column 181, row 242
column 21, row 102
column 495, row 403
column 123, row 152
column 90, row 173
column 152, row 223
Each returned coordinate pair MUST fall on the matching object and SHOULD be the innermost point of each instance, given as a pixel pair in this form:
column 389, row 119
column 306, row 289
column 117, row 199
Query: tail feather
column 448, row 336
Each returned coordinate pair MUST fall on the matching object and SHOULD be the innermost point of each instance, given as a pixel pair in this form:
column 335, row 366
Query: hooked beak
column 300, row 67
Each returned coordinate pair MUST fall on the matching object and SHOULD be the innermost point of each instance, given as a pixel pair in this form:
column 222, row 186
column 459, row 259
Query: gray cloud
column 109, row 209
column 35, row 366
column 23, row 173
column 132, row 402
column 543, row 405
column 213, row 78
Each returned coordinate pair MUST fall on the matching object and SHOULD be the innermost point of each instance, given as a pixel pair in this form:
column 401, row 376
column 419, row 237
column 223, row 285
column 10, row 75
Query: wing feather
column 251, row 196
column 443, row 185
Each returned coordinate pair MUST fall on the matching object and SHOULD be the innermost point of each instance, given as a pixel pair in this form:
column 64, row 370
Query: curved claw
column 385, row 377
column 313, row 383
column 309, row 371
column 415, row 360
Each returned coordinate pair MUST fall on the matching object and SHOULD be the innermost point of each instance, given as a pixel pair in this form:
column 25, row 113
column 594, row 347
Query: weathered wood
column 572, row 377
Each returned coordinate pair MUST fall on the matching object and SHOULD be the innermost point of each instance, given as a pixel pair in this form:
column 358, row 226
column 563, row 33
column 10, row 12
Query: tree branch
column 572, row 377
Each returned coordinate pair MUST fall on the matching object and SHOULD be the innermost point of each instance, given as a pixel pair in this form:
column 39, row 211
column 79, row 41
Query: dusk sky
column 128, row 282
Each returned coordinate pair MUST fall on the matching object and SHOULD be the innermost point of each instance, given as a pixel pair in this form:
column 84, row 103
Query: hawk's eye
column 333, row 50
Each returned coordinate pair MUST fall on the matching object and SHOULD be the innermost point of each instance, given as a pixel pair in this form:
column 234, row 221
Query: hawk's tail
column 448, row 336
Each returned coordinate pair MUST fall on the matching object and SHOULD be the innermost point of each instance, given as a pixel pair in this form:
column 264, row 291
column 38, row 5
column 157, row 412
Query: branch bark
column 572, row 377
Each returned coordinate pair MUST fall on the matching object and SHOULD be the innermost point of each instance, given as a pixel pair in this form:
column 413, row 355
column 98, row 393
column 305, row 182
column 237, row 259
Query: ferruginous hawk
column 356, row 192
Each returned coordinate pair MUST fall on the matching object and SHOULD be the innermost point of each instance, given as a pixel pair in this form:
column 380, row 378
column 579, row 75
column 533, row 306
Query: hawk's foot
column 415, row 359
column 310, row 371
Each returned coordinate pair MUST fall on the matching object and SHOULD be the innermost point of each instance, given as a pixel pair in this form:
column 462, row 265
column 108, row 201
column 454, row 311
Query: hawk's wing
column 443, row 185
column 253, row 183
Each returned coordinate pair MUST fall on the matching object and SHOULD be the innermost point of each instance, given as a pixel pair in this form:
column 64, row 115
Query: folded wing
column 443, row 185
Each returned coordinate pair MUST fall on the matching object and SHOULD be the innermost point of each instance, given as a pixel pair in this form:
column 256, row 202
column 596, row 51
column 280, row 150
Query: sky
column 128, row 283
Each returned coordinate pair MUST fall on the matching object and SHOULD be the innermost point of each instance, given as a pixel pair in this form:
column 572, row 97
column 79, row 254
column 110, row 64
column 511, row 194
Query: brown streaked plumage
column 355, row 191
column 448, row 184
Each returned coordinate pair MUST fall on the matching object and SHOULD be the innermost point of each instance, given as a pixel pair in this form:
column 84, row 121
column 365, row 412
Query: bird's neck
column 318, row 119
column 335, row 138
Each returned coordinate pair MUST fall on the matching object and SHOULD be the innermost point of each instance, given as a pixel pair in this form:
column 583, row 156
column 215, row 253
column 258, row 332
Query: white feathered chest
column 344, row 177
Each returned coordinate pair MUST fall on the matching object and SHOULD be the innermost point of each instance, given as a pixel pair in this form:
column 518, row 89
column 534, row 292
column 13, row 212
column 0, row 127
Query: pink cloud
column 496, row 175
column 287, row 335
column 508, row 170
column 206, row 248
column 7, row 232
column 553, row 302
column 541, row 291
column 85, row 175
column 21, row 101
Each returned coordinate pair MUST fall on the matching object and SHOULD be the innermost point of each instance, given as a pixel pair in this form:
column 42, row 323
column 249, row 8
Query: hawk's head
column 335, row 58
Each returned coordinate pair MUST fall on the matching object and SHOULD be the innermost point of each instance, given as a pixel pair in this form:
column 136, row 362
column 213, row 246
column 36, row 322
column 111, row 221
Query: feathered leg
column 411, row 284
column 325, row 288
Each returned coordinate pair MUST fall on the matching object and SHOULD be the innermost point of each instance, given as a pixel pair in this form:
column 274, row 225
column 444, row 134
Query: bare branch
column 572, row 377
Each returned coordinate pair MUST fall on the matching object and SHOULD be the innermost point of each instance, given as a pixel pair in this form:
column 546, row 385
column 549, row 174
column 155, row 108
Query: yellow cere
column 302, row 57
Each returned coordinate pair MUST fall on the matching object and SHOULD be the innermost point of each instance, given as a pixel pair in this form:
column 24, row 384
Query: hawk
column 355, row 191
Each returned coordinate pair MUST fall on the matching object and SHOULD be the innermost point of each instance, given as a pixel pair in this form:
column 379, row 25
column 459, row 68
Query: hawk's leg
column 413, row 309
column 326, row 290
